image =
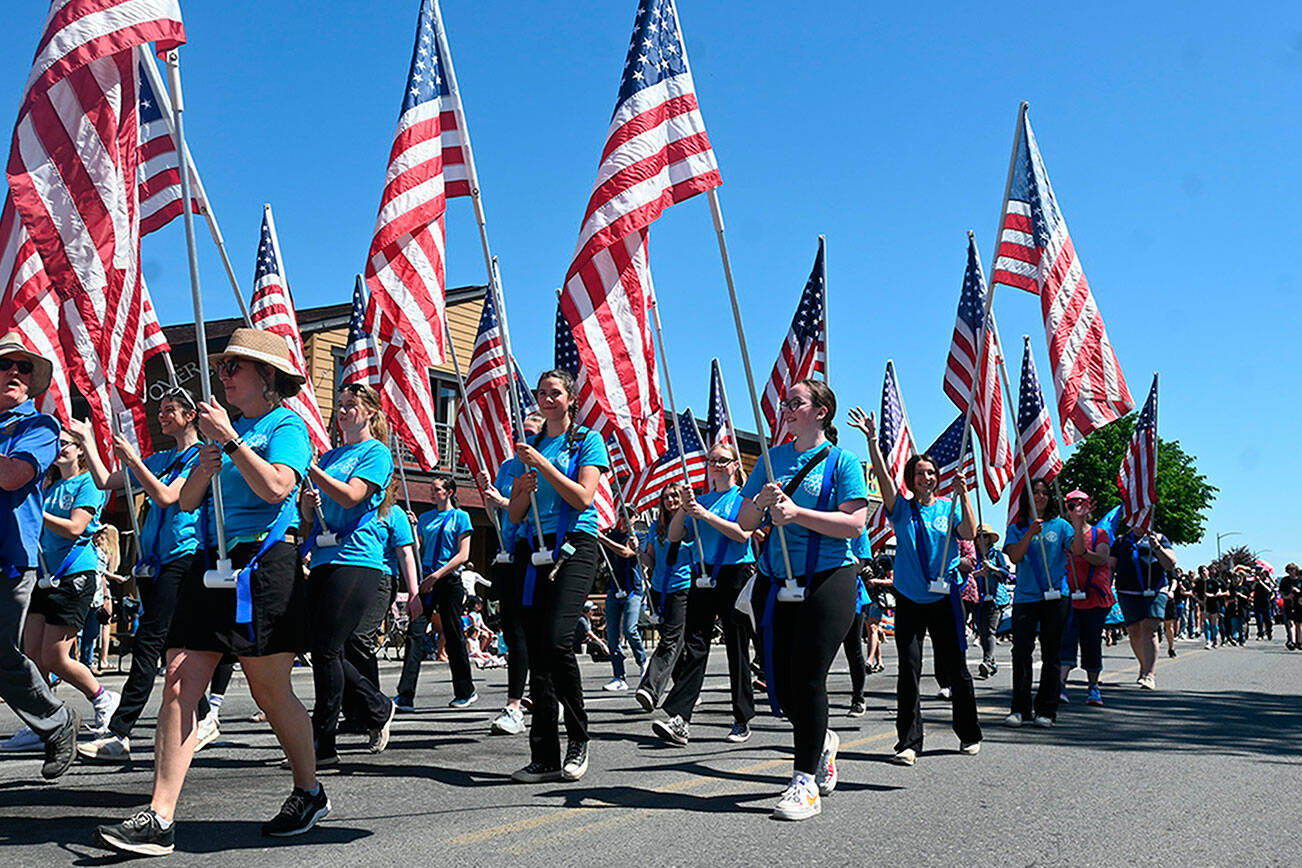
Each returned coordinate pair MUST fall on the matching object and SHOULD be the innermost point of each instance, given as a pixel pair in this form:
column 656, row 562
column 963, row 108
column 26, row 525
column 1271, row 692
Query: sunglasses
column 720, row 462
column 227, row 367
column 24, row 365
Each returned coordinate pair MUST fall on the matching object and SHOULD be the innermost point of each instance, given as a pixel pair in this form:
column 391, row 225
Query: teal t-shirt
column 510, row 470
column 169, row 533
column 935, row 518
column 371, row 461
column 440, row 533
column 591, row 451
column 676, row 574
column 847, row 484
column 61, row 498
column 1032, row 579
column 397, row 533
column 277, row 437
column 724, row 504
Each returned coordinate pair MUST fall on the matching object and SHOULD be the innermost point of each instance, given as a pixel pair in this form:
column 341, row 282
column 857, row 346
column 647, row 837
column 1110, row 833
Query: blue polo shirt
column 397, row 533
column 934, row 519
column 628, row 572
column 277, row 437
column 1032, row 578
column 560, row 451
column 726, row 505
column 371, row 461
column 61, row 498
column 32, row 437
column 440, row 533
column 169, row 533
column 676, row 574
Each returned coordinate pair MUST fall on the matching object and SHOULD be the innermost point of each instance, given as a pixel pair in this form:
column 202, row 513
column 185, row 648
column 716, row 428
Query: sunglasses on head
column 24, row 366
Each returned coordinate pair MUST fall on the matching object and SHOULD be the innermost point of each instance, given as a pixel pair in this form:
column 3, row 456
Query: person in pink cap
column 1090, row 581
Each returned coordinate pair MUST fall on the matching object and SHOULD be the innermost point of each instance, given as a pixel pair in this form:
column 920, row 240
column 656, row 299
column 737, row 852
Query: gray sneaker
column 509, row 722
column 673, row 729
column 576, row 761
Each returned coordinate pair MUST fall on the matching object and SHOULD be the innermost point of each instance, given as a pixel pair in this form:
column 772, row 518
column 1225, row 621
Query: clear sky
column 1170, row 131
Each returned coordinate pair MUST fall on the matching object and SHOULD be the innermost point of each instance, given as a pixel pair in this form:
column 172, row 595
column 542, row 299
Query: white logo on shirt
column 1050, row 536
column 941, row 523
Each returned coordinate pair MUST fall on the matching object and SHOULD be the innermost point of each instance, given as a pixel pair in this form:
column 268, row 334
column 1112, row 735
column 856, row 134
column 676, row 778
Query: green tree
column 1183, row 494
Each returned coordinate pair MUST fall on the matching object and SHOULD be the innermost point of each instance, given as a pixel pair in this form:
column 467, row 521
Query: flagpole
column 116, row 427
column 827, row 343
column 223, row 576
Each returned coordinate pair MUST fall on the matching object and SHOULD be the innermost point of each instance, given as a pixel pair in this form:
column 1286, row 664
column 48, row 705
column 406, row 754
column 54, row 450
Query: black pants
column 508, row 580
column 913, row 621
column 361, row 648
column 1046, row 619
column 1265, row 623
column 337, row 598
column 549, row 625
column 704, row 605
column 448, row 599
column 663, row 663
column 987, row 624
column 853, row 645
column 157, row 603
column 805, row 639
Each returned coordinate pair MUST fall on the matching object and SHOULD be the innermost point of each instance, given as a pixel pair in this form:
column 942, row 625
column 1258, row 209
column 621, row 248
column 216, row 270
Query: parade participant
column 1171, row 615
column 1290, row 591
column 564, row 463
column 729, row 565
column 853, row 643
column 922, row 527
column 1212, row 588
column 261, row 457
column 992, row 575
column 348, row 490
column 623, row 603
column 168, row 540
column 673, row 567
column 1263, row 603
column 31, row 444
column 444, row 533
column 1139, row 566
column 1090, row 580
column 818, row 499
column 1040, row 605
column 880, row 583
column 1237, row 607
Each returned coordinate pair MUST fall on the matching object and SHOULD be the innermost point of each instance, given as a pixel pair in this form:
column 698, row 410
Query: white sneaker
column 1013, row 720
column 111, row 748
column 970, row 748
column 615, row 684
column 906, row 757
column 826, row 777
column 800, row 801
column 944, row 693
column 509, row 722
column 207, row 733
column 23, row 739
column 1043, row 722
column 104, row 704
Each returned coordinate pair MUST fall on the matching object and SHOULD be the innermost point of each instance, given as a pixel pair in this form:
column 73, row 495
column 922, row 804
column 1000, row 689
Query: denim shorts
column 1137, row 607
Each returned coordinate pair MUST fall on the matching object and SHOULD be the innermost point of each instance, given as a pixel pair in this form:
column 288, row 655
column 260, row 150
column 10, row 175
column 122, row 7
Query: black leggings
column 508, row 584
column 703, row 606
column 806, row 637
column 853, row 645
column 449, row 597
column 158, row 602
column 549, row 623
column 913, row 621
column 362, row 647
column 338, row 596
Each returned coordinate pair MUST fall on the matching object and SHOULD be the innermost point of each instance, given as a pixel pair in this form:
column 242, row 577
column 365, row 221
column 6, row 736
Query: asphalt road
column 1204, row 770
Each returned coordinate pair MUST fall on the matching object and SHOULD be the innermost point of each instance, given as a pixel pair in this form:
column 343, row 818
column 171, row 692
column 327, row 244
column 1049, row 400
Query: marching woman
column 1290, row 591
column 1041, row 601
column 261, row 457
column 168, row 540
column 30, row 446
column 444, row 533
column 1091, row 595
column 564, row 463
column 820, row 501
column 1139, row 565
column 991, row 575
column 673, row 566
column 624, row 596
column 921, row 525
column 349, row 487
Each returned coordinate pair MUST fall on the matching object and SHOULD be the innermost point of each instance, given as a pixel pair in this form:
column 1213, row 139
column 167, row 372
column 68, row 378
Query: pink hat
column 1078, row 495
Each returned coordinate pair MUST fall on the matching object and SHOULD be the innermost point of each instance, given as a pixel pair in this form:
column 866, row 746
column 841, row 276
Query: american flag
column 1036, row 254
column 488, row 371
column 408, row 401
column 273, row 310
column 405, row 266
column 30, row 307
column 159, row 173
column 1034, row 435
column 1138, row 477
column 361, row 360
column 589, row 416
column 669, row 466
column 657, row 153
column 896, row 440
column 72, row 175
column 719, row 421
column 945, row 450
column 804, row 352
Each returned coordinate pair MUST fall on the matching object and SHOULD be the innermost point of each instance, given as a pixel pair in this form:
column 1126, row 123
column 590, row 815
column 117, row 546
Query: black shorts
column 1172, row 610
column 205, row 617
column 68, row 603
column 1293, row 611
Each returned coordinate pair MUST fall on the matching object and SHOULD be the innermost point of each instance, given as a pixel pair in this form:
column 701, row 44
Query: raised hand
column 865, row 422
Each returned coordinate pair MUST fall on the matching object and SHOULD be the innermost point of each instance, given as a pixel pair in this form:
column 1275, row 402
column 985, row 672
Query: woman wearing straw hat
column 1091, row 595
column 30, row 444
column 261, row 456
column 991, row 575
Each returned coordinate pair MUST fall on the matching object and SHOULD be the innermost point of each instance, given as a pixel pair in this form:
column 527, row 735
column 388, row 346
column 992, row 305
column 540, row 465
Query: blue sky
column 1170, row 131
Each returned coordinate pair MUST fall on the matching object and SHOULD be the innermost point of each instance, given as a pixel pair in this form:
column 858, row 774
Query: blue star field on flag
column 655, row 51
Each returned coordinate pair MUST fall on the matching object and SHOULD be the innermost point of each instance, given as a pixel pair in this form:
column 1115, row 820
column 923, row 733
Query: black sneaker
column 858, row 707
column 61, row 747
column 739, row 733
column 140, row 834
column 536, row 773
column 673, row 729
column 300, row 812
column 576, row 761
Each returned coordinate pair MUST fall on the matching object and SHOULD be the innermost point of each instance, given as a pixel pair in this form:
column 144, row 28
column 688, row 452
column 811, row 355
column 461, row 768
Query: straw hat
column 42, row 368
column 987, row 530
column 265, row 347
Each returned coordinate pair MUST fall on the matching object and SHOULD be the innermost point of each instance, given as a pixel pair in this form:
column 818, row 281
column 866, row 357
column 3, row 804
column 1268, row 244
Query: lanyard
column 562, row 525
column 150, row 555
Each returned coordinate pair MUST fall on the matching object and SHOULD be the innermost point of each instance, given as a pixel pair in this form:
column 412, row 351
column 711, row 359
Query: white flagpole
column 115, row 425
column 224, row 575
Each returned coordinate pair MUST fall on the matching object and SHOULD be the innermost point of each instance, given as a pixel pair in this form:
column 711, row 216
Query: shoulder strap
column 795, row 481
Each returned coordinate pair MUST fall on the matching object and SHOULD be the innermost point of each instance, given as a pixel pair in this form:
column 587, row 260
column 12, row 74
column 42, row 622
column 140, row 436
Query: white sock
column 162, row 824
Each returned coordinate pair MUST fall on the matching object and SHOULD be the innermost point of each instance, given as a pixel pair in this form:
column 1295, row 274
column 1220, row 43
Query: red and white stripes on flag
column 273, row 310
column 645, row 489
column 159, row 173
column 408, row 401
column 1036, row 254
column 1034, row 436
column 361, row 359
column 896, row 440
column 484, row 424
column 1138, row 477
column 804, row 352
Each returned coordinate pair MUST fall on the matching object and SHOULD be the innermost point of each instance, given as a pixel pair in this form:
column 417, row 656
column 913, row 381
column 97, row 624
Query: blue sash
column 562, row 521
column 149, row 557
column 721, row 549
column 308, row 545
column 276, row 533
column 72, row 555
column 922, row 549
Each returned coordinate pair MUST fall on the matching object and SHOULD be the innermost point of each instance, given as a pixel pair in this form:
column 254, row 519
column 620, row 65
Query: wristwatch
column 233, row 444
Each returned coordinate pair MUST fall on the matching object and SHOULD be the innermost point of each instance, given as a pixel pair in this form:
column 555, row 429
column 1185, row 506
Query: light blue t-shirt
column 676, row 575
column 397, row 533
column 33, row 437
column 169, row 533
column 61, row 498
column 591, row 451
column 510, row 470
column 861, row 546
column 440, row 534
column 372, row 461
column 277, row 437
column 847, row 484
column 724, row 504
column 935, row 518
column 1032, row 580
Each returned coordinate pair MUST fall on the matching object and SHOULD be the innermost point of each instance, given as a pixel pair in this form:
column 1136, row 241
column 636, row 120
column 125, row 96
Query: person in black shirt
column 1140, row 565
column 1290, row 589
column 1263, row 604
